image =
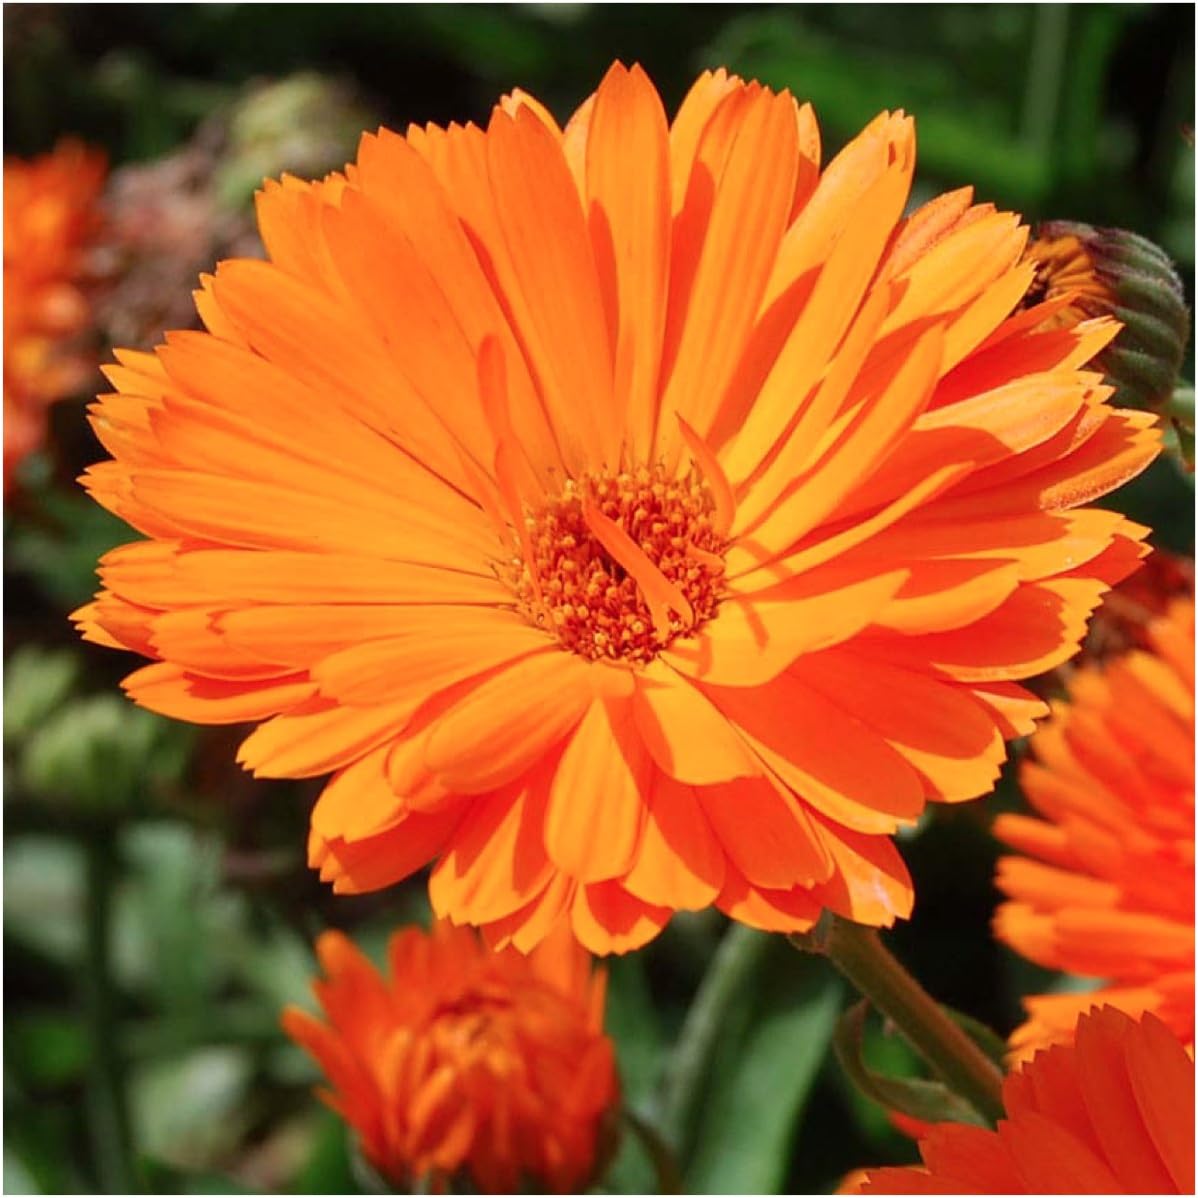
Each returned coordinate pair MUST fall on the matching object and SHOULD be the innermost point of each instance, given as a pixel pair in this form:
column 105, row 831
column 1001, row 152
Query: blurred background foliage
column 158, row 911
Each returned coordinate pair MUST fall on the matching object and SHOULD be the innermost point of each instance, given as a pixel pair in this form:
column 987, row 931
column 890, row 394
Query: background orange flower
column 464, row 1060
column 1106, row 887
column 51, row 214
column 1111, row 1114
column 633, row 517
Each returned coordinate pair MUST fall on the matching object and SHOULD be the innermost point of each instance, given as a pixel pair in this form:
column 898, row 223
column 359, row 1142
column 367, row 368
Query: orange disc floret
column 632, row 517
column 1112, row 1113
column 1105, row 885
column 463, row 1061
column 51, row 214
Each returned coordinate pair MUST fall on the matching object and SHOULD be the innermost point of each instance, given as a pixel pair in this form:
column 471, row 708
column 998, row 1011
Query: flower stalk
column 859, row 954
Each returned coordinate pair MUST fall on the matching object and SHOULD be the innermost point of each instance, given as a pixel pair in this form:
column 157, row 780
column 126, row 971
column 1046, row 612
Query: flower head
column 1106, row 885
column 634, row 517
column 50, row 216
column 1111, row 1114
column 464, row 1060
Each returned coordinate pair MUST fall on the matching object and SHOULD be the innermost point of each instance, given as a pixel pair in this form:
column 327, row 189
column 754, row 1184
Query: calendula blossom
column 632, row 517
column 466, row 1064
column 51, row 215
column 1104, row 885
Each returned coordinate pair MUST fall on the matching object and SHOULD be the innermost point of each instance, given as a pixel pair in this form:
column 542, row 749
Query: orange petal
column 502, row 726
column 630, row 229
column 597, row 798
column 753, row 639
column 496, row 863
column 765, row 833
column 827, row 757
column 679, row 863
column 688, row 738
column 607, row 919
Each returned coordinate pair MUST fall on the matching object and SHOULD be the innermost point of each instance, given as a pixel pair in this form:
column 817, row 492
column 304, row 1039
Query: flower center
column 618, row 566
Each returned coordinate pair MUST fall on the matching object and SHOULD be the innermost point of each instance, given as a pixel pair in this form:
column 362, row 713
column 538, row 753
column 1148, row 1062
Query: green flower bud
column 1111, row 272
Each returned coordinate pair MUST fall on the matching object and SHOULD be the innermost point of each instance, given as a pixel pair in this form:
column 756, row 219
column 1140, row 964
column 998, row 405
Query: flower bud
column 1111, row 272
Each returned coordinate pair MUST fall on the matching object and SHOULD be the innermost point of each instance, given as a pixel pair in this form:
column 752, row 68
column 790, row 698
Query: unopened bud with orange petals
column 491, row 1068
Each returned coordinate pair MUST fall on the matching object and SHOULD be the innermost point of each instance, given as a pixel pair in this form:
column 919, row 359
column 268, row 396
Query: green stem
column 108, row 1115
column 859, row 954
column 669, row 1179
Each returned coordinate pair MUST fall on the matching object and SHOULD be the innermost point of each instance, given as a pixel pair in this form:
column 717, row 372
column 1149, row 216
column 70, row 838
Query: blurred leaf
column 17, row 1179
column 964, row 133
column 749, row 1053
column 213, row 1183
column 62, row 549
column 185, row 1109
column 632, row 1022
column 43, row 895
column 102, row 753
column 47, row 1049
column 328, row 1169
column 37, row 1156
column 176, row 931
column 931, row 1101
column 365, row 1175
column 36, row 682
column 278, row 968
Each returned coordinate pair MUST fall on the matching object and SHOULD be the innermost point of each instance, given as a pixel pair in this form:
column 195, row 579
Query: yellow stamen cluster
column 589, row 598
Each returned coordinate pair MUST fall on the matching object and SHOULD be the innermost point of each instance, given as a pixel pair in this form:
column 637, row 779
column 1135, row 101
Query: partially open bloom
column 633, row 517
column 465, row 1061
column 1106, row 887
column 1111, row 272
column 50, row 216
column 1111, row 1114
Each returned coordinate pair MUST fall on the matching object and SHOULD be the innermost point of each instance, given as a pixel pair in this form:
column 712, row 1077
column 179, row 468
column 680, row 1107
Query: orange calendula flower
column 1106, row 888
column 1111, row 1114
column 465, row 1060
column 50, row 216
column 635, row 517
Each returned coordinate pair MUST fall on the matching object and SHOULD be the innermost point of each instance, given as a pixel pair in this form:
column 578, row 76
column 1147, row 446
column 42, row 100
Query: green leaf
column 745, row 1062
column 100, row 753
column 633, row 1023
column 177, row 933
column 188, row 1110
column 47, row 1048
column 44, row 895
column 61, row 549
column 327, row 1168
column 931, row 1101
column 36, row 683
